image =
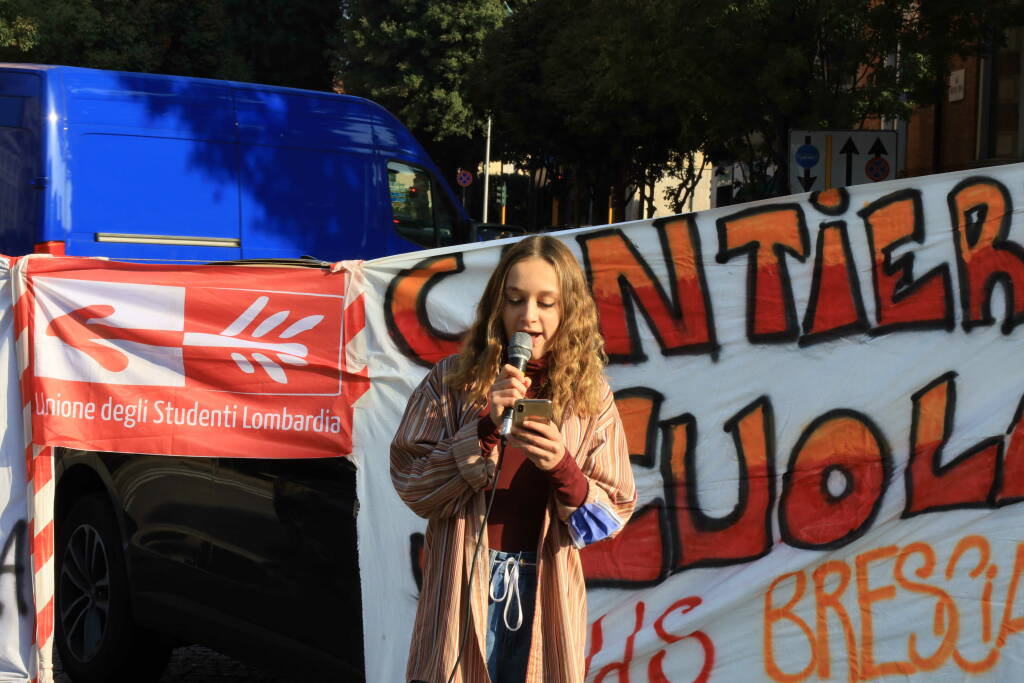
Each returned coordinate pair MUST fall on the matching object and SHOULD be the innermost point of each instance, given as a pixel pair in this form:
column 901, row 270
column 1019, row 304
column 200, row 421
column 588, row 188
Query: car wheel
column 95, row 636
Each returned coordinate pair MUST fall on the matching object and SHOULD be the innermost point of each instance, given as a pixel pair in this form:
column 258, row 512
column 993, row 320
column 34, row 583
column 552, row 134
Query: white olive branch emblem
column 289, row 353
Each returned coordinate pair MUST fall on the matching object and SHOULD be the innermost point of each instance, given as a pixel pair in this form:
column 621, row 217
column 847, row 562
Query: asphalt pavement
column 197, row 664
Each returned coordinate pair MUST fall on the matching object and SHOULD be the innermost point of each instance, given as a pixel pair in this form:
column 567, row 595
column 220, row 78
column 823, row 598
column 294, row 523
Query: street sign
column 464, row 178
column 822, row 159
column 807, row 156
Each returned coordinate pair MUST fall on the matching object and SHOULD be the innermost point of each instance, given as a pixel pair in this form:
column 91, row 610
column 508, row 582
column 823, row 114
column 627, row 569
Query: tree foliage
column 583, row 87
column 776, row 65
column 17, row 32
column 414, row 57
column 595, row 97
column 282, row 42
column 640, row 86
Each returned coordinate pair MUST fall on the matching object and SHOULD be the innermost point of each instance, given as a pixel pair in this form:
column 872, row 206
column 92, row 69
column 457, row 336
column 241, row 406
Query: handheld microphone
column 519, row 351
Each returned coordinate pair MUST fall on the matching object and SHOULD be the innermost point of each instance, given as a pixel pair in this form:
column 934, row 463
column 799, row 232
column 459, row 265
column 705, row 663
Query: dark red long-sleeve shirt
column 522, row 488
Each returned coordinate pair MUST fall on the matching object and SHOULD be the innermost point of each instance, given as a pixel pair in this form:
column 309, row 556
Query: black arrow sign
column 878, row 149
column 807, row 180
column 849, row 149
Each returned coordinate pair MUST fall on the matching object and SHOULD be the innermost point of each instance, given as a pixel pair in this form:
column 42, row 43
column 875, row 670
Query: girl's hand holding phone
column 540, row 440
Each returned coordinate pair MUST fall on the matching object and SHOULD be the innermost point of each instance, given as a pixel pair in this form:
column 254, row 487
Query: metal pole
column 504, row 181
column 487, row 166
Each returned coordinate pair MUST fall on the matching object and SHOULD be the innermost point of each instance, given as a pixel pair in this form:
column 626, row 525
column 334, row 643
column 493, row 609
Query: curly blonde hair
column 575, row 354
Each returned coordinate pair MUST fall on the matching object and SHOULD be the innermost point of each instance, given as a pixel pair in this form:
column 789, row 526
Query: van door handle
column 40, row 183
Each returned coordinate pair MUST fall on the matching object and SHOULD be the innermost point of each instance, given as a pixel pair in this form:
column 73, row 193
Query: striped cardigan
column 438, row 470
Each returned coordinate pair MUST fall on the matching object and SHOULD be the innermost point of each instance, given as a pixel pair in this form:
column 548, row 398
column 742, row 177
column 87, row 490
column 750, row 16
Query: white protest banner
column 17, row 615
column 821, row 397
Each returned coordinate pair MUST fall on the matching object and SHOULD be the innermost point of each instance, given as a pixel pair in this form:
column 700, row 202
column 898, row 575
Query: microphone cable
column 520, row 349
column 476, row 551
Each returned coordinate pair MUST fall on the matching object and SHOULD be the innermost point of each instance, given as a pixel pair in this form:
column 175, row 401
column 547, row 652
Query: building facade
column 978, row 118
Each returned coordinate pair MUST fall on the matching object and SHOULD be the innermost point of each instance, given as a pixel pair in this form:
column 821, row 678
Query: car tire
column 96, row 638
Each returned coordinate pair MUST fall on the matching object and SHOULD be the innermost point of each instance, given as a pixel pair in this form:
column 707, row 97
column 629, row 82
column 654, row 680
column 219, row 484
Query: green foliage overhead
column 607, row 93
column 17, row 31
column 282, row 42
column 591, row 86
column 414, row 56
column 642, row 84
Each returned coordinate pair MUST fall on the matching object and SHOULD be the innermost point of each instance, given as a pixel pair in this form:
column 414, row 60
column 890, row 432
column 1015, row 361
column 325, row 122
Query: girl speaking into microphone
column 517, row 612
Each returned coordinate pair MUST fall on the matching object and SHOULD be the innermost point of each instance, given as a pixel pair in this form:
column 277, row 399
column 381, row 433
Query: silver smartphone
column 530, row 407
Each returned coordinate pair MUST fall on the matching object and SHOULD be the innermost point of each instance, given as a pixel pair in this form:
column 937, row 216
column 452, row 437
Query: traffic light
column 502, row 194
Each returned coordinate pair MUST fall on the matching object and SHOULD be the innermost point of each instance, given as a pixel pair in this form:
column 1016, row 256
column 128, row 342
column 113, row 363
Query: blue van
column 147, row 167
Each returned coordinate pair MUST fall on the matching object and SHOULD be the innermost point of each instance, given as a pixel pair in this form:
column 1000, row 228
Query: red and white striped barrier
column 41, row 487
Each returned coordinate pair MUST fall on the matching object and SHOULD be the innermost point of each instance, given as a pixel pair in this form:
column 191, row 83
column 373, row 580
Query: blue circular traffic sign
column 464, row 178
column 807, row 156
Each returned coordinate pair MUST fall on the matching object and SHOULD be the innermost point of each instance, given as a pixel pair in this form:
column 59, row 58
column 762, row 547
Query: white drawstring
column 509, row 571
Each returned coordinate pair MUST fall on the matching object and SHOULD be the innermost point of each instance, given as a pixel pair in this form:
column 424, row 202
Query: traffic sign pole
column 828, row 162
column 487, row 167
column 807, row 156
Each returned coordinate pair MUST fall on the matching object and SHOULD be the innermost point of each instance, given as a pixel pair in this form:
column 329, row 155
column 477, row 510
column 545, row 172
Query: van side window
column 419, row 211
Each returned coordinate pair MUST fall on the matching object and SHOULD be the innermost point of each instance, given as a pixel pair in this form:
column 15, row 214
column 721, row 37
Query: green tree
column 582, row 87
column 285, row 42
column 630, row 90
column 18, row 32
column 770, row 66
column 282, row 42
column 414, row 57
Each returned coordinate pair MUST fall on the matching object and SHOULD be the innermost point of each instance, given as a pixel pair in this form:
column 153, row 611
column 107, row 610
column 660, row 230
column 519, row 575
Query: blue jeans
column 513, row 590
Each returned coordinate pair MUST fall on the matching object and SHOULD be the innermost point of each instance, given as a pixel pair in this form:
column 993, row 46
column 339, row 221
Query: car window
column 419, row 210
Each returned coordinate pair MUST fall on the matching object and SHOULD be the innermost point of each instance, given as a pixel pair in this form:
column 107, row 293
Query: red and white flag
column 203, row 360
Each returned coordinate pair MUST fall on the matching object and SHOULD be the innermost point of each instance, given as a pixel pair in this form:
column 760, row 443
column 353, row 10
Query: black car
column 255, row 558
